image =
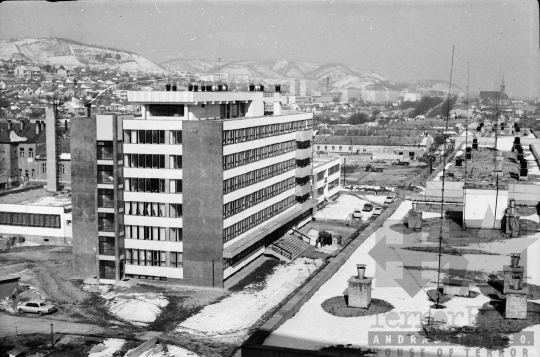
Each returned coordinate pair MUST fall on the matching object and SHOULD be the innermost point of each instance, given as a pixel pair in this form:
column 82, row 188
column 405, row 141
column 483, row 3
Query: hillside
column 65, row 52
column 341, row 76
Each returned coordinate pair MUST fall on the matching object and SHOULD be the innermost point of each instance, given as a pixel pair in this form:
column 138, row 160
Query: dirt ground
column 392, row 175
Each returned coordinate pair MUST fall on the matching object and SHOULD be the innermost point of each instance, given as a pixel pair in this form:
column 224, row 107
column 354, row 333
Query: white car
column 357, row 213
column 377, row 211
column 36, row 306
column 389, row 200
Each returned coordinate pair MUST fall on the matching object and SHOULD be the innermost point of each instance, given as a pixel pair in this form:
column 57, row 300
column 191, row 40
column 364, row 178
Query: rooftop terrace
column 36, row 197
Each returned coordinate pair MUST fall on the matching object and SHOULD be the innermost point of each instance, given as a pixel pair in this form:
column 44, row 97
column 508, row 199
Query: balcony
column 302, row 154
column 302, row 190
column 304, row 135
column 106, row 201
column 105, row 227
column 105, row 177
column 303, row 171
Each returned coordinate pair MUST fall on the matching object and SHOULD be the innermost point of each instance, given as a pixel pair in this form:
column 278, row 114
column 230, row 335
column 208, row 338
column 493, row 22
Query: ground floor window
column 107, row 269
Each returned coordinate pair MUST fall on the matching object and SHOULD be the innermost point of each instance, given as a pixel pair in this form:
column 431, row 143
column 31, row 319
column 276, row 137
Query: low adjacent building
column 39, row 216
column 372, row 144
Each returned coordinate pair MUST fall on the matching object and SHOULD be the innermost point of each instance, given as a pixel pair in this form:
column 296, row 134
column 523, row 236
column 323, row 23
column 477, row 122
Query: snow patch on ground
column 231, row 318
column 107, row 348
column 27, row 244
column 136, row 308
column 328, row 249
column 168, row 351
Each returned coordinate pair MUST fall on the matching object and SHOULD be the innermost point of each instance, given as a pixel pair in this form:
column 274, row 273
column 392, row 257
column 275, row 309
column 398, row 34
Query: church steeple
column 502, row 85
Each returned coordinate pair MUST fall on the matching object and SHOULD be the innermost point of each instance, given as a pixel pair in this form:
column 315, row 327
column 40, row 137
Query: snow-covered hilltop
column 66, row 52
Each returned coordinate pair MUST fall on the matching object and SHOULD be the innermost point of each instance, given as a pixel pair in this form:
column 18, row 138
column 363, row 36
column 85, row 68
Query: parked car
column 357, row 213
column 377, row 211
column 368, row 207
column 36, row 306
column 389, row 199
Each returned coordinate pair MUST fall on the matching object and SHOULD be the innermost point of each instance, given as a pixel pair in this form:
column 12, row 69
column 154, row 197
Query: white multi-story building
column 194, row 189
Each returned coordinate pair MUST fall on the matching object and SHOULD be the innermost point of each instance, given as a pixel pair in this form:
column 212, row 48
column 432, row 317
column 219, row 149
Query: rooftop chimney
column 37, row 127
column 514, row 260
column 361, row 269
column 168, row 87
column 9, row 124
column 88, row 109
column 516, row 282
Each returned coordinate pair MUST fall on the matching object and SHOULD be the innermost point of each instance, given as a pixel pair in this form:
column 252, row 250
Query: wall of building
column 39, row 235
column 84, row 191
column 480, row 206
column 203, row 203
column 327, row 179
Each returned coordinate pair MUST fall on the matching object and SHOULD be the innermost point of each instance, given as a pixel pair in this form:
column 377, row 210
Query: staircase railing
column 284, row 252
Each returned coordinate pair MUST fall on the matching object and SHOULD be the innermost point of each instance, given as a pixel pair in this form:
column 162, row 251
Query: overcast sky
column 400, row 40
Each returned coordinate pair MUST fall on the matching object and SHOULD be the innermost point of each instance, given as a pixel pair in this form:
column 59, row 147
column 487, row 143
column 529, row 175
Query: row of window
column 152, row 161
column 248, row 156
column 333, row 170
column 30, row 152
column 139, row 184
column 333, row 184
column 257, row 218
column 152, row 233
column 238, row 257
column 156, row 258
column 252, row 177
column 320, row 175
column 303, row 144
column 153, row 209
column 152, row 136
column 243, row 203
column 30, row 219
column 263, row 131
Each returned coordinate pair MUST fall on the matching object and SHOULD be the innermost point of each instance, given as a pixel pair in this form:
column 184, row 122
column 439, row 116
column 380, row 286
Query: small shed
column 9, row 284
column 456, row 287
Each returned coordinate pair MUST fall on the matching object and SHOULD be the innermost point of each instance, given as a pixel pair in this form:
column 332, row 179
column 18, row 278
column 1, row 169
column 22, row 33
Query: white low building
column 39, row 216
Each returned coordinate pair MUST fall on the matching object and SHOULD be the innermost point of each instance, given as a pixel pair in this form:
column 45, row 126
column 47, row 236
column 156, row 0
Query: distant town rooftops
column 370, row 140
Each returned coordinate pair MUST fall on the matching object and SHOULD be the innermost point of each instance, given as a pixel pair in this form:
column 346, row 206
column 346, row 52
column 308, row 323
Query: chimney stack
column 361, row 269
column 9, row 125
column 51, row 146
column 88, row 109
column 514, row 259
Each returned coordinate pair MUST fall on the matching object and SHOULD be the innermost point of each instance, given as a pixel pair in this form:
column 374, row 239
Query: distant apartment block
column 190, row 192
column 380, row 96
column 301, row 87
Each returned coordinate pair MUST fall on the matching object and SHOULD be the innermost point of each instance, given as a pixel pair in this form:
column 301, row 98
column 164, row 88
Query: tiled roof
column 28, row 131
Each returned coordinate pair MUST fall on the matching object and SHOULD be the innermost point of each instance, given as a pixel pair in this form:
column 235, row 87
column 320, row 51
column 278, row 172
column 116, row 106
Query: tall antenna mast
column 442, row 191
column 467, row 124
column 219, row 67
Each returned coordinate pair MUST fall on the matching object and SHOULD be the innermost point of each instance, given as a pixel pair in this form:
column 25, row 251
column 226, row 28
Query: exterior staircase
column 287, row 248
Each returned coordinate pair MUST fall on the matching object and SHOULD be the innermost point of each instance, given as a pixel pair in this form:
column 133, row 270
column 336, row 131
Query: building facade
column 191, row 191
column 326, row 176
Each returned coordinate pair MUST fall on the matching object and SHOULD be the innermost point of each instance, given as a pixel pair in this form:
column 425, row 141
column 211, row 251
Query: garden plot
column 230, row 319
column 138, row 309
column 314, row 329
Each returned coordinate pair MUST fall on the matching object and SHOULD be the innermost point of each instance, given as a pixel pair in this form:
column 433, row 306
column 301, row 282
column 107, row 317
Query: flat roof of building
column 321, row 160
column 36, row 197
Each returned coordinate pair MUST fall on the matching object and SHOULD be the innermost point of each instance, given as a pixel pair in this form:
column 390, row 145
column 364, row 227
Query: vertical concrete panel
column 84, row 186
column 203, row 202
